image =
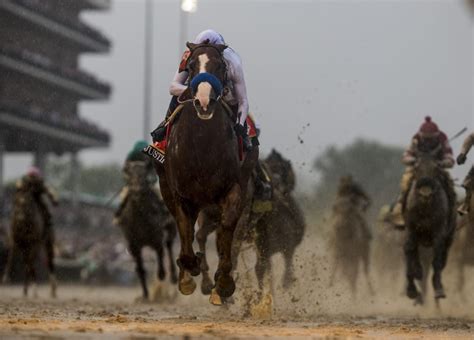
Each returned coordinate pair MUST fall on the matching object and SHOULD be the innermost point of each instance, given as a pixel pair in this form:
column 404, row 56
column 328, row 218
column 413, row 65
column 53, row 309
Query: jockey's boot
column 264, row 185
column 263, row 190
column 241, row 131
column 396, row 214
column 463, row 209
column 118, row 213
column 159, row 134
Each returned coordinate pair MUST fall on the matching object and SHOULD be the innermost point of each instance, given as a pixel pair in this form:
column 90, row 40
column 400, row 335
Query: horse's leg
column 140, row 269
column 366, row 264
column 334, row 273
column 171, row 234
column 8, row 265
column 263, row 271
column 289, row 276
column 188, row 262
column 159, row 259
column 225, row 285
column 413, row 266
column 201, row 237
column 461, row 277
column 49, row 245
column 30, row 256
column 263, row 264
column 440, row 250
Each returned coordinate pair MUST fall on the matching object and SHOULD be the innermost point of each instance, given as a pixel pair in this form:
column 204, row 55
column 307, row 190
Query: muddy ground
column 309, row 309
column 90, row 312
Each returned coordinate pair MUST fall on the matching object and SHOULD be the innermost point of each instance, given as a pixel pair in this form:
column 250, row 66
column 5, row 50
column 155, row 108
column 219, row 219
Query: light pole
column 187, row 6
column 148, row 68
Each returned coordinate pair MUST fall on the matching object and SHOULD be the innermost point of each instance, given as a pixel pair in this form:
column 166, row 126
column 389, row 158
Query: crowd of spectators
column 68, row 122
column 46, row 8
column 47, row 64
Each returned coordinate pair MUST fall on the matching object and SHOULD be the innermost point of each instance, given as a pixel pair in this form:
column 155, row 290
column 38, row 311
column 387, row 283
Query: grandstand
column 41, row 83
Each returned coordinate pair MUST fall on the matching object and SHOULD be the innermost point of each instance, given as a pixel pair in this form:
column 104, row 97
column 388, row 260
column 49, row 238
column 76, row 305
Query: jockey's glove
column 240, row 130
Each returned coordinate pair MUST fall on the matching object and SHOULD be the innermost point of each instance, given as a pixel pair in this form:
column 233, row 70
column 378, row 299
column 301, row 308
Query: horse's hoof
column 206, row 285
column 187, row 286
column 440, row 294
column 174, row 278
column 161, row 275
column 419, row 300
column 412, row 293
column 225, row 286
column 141, row 299
column 215, row 299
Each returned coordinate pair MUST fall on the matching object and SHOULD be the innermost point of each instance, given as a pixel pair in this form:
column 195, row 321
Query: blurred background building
column 41, row 84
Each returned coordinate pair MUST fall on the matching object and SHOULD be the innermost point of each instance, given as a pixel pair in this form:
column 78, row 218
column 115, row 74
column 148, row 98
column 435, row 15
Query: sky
column 327, row 71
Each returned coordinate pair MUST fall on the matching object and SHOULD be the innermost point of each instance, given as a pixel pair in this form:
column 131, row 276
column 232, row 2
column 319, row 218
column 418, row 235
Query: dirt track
column 85, row 313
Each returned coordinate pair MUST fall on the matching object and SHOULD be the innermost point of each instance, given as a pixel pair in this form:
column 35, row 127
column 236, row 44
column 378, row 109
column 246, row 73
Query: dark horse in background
column 279, row 230
column 145, row 221
column 203, row 169
column 28, row 235
column 430, row 220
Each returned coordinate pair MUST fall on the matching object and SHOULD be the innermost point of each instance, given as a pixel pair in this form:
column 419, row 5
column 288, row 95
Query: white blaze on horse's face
column 203, row 93
column 203, row 60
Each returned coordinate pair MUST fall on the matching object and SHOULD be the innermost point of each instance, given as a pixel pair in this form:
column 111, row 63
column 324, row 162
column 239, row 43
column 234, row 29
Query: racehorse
column 146, row 222
column 430, row 222
column 28, row 234
column 203, row 167
column 351, row 241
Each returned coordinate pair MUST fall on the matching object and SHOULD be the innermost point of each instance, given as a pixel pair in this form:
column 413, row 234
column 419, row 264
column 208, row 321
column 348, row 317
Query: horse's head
column 283, row 176
column 137, row 176
column 207, row 73
column 427, row 172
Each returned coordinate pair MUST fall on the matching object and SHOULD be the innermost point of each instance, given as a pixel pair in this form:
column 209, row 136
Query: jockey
column 135, row 155
column 350, row 189
column 353, row 190
column 33, row 182
column 428, row 139
column 235, row 75
column 469, row 181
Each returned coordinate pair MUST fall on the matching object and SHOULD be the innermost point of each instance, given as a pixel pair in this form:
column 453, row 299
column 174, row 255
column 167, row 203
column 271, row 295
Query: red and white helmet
column 34, row 172
column 429, row 128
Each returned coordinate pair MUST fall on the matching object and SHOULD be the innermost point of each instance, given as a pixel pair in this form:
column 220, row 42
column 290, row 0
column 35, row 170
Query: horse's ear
column 191, row 46
column 221, row 47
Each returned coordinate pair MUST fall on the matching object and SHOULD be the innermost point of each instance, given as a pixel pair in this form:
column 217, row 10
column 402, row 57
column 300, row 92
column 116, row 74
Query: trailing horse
column 28, row 234
column 430, row 222
column 279, row 230
column 145, row 221
column 202, row 167
column 351, row 242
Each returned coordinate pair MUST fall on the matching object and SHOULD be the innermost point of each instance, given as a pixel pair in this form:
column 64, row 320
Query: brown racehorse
column 202, row 169
column 28, row 235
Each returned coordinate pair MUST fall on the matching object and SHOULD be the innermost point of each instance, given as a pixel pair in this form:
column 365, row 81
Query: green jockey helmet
column 137, row 148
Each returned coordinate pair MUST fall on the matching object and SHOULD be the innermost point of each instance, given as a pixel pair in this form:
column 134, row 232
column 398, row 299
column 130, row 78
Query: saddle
column 157, row 150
